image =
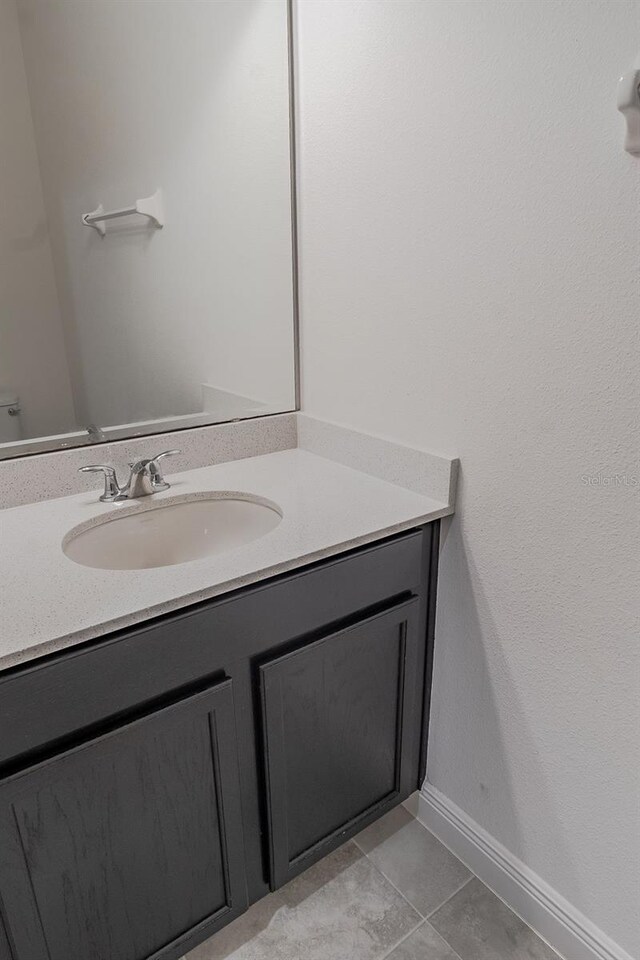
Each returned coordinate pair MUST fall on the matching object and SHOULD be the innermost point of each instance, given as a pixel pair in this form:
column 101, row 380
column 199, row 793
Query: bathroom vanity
column 159, row 780
column 168, row 756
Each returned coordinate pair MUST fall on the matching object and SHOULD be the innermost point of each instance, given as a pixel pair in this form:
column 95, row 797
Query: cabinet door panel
column 340, row 722
column 118, row 848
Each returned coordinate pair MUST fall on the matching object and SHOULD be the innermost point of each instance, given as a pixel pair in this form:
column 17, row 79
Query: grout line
column 489, row 887
column 444, row 940
column 472, row 875
column 402, row 939
column 391, row 884
column 451, row 895
column 425, row 916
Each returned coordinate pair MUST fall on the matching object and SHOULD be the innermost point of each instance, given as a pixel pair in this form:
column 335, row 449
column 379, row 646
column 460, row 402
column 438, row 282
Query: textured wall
column 470, row 242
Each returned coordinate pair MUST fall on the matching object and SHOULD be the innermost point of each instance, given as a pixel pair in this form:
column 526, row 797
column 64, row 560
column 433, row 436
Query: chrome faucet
column 145, row 478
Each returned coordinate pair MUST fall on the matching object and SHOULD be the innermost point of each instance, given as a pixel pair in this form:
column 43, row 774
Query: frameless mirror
column 146, row 255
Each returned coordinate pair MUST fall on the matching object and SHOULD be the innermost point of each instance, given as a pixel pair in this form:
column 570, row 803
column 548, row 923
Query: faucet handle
column 111, row 486
column 155, row 470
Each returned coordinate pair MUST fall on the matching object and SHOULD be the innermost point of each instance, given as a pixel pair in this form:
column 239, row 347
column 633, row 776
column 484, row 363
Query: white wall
column 32, row 356
column 191, row 97
column 470, row 241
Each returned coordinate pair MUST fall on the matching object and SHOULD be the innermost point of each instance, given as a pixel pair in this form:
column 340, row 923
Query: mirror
column 176, row 308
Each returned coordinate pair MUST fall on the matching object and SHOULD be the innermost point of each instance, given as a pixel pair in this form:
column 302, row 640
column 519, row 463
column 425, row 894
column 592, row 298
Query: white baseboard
column 563, row 927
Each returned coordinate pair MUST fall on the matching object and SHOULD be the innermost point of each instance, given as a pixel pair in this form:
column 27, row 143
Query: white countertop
column 48, row 602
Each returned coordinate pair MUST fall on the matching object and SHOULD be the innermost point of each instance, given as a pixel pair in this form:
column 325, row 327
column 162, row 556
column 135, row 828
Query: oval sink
column 166, row 532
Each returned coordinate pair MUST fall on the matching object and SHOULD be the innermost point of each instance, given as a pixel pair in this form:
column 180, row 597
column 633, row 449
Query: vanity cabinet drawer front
column 130, row 845
column 46, row 702
column 340, row 722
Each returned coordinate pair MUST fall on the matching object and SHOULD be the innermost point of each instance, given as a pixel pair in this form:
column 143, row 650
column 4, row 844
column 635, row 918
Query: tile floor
column 394, row 893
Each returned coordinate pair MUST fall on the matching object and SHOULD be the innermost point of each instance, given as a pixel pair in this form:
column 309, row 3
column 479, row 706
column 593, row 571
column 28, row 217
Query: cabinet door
column 127, row 845
column 340, row 729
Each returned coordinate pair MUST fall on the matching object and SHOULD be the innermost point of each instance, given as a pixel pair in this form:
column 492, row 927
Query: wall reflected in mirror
column 126, row 325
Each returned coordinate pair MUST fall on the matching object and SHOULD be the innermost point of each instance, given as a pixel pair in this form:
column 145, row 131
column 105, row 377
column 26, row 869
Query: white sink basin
column 164, row 532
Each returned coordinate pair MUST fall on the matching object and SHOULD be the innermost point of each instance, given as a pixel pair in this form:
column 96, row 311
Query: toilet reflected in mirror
column 10, row 422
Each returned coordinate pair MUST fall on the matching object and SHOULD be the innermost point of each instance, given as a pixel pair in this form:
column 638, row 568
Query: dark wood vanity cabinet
column 155, row 782
column 117, row 846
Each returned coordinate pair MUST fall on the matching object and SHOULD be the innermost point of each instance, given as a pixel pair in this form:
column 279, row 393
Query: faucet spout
column 140, row 482
column 144, row 480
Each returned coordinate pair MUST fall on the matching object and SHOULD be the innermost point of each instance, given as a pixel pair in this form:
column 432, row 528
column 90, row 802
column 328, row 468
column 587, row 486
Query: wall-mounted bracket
column 151, row 207
column 629, row 106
